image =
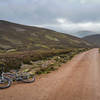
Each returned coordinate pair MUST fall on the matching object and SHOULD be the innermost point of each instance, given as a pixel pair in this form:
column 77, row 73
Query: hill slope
column 21, row 37
column 95, row 39
column 84, row 33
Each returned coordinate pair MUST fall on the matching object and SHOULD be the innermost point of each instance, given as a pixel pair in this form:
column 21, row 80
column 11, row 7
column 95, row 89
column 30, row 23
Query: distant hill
column 22, row 37
column 85, row 33
column 94, row 39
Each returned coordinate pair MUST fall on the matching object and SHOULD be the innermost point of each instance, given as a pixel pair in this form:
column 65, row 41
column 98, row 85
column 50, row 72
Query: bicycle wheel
column 28, row 78
column 4, row 82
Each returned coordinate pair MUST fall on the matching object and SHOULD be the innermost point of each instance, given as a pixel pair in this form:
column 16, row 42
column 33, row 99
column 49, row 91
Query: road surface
column 79, row 79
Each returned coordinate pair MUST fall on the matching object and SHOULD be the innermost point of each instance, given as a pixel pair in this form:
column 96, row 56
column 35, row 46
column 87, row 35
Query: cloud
column 61, row 15
column 65, row 25
column 61, row 20
column 83, row 1
column 90, row 1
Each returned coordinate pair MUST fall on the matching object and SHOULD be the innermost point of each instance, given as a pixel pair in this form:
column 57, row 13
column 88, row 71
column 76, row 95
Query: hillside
column 84, row 33
column 20, row 37
column 94, row 39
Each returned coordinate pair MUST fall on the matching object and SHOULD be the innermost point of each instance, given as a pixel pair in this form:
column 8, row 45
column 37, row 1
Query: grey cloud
column 45, row 12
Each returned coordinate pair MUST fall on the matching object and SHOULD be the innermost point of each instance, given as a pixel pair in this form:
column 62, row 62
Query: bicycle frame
column 14, row 77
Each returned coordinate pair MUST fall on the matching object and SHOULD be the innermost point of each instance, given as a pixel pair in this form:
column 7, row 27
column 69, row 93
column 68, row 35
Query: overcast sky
column 61, row 15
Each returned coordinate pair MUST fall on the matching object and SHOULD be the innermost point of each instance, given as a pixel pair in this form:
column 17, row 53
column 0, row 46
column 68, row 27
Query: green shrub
column 45, row 70
column 13, row 60
column 11, row 63
column 26, row 60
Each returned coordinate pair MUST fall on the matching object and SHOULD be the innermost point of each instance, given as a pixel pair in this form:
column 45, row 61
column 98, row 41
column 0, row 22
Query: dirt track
column 79, row 79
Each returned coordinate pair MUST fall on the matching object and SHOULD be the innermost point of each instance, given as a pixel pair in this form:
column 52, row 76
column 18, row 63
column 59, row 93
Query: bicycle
column 6, row 79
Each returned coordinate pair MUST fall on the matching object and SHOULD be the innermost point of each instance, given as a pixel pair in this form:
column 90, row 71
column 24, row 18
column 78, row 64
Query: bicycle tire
column 29, row 80
column 8, row 83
